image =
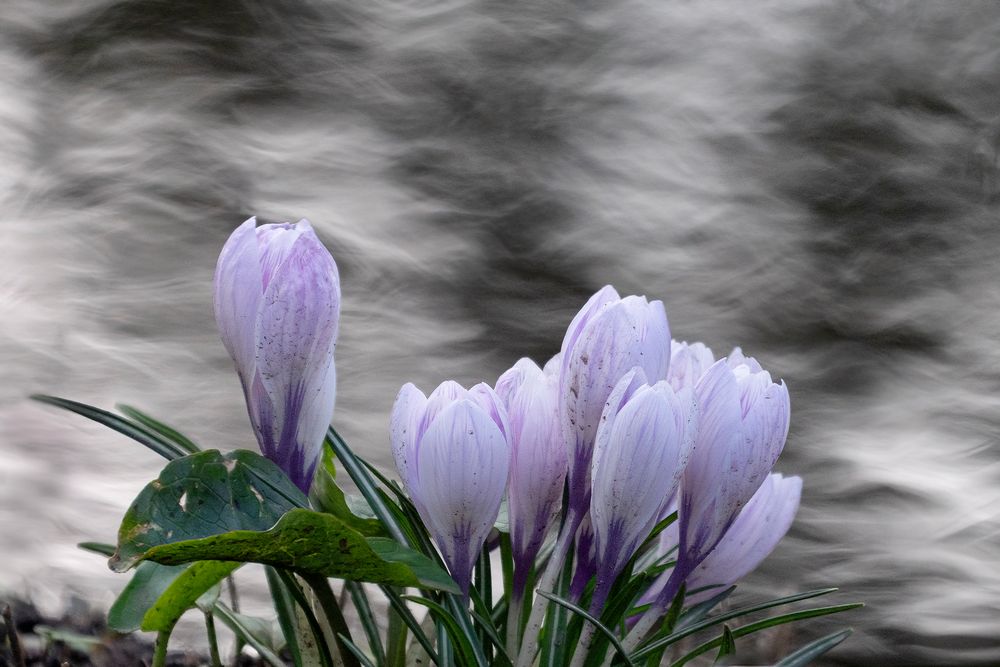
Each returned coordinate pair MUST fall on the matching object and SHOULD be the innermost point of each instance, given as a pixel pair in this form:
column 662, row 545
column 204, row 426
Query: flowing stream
column 815, row 182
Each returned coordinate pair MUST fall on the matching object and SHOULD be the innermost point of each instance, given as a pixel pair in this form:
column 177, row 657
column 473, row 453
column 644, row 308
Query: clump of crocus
column 743, row 427
column 452, row 452
column 277, row 306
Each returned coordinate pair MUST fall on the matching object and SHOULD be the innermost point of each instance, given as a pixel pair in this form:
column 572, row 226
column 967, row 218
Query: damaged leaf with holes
column 201, row 495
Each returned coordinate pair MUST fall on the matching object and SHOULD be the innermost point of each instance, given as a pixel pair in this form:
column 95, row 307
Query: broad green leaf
column 204, row 494
column 328, row 497
column 148, row 584
column 316, row 543
column 813, row 650
column 182, row 594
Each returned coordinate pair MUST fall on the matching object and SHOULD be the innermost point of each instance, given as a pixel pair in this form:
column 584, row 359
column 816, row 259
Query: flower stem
column 529, row 646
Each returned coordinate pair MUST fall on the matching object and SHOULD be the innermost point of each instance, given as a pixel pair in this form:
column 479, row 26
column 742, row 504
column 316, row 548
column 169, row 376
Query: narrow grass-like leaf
column 764, row 624
column 167, row 432
column 699, row 611
column 365, row 483
column 99, row 548
column 295, row 591
column 813, row 650
column 727, row 647
column 396, row 600
column 603, row 629
column 137, row 432
column 686, row 630
column 284, row 607
column 458, row 637
column 233, row 622
column 367, row 618
column 357, row 652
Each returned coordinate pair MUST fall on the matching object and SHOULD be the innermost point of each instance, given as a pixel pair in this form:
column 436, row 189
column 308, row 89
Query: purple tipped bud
column 752, row 537
column 744, row 423
column 277, row 306
column 643, row 445
column 453, row 454
column 538, row 461
column 606, row 339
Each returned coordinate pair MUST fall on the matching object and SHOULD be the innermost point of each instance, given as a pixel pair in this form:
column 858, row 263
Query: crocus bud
column 744, row 423
column 538, row 461
column 643, row 444
column 277, row 306
column 452, row 452
column 754, row 534
column 606, row 339
column 688, row 362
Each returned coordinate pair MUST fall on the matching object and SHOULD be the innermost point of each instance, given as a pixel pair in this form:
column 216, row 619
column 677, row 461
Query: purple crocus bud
column 643, row 445
column 277, row 306
column 754, row 534
column 606, row 339
column 452, row 451
column 688, row 362
column 538, row 461
column 744, row 424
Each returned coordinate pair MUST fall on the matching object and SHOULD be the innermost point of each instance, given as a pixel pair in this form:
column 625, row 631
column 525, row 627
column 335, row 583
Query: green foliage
column 201, row 495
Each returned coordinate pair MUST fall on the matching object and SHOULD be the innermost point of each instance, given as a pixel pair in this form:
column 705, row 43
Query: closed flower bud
column 606, row 339
column 643, row 445
column 538, row 461
column 744, row 423
column 277, row 306
column 452, row 452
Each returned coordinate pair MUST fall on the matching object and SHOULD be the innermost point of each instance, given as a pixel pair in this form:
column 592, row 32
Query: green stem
column 213, row 641
column 396, row 635
column 334, row 616
column 160, row 649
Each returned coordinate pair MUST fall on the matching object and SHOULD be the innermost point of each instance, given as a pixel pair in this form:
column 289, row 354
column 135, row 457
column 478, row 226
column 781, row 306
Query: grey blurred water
column 814, row 181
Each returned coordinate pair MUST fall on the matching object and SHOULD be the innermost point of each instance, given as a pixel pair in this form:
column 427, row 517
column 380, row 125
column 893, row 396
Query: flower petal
column 237, row 299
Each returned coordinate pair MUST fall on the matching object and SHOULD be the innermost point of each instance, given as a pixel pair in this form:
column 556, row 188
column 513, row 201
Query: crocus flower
column 754, row 534
column 744, row 423
column 688, row 362
column 605, row 340
column 643, row 444
column 538, row 461
column 452, row 452
column 277, row 306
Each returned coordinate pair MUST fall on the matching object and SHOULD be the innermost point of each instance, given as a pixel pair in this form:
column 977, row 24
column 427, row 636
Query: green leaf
column 330, row 498
column 727, row 648
column 147, row 585
column 235, row 622
column 204, row 494
column 813, row 650
column 137, row 432
column 767, row 623
column 168, row 433
column 99, row 548
column 459, row 637
column 313, row 543
column 603, row 629
column 184, row 592
column 685, row 629
column 366, row 484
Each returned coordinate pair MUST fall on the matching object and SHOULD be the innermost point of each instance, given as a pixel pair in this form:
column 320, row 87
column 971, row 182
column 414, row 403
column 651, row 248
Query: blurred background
column 816, row 182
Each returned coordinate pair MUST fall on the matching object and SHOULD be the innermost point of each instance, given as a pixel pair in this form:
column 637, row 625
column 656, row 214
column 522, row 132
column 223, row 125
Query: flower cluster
column 619, row 430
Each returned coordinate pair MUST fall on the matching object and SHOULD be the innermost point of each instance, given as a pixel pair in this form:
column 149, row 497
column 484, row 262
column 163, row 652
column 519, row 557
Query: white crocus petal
column 752, row 537
column 404, row 424
column 538, row 460
column 688, row 361
column 488, row 400
column 238, row 294
column 463, row 461
column 636, row 468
